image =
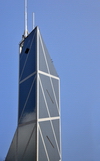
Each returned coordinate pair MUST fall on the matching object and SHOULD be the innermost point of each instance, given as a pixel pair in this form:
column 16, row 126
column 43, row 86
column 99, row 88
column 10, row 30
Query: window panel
column 49, row 95
column 28, row 57
column 26, row 134
column 50, row 143
column 42, row 152
column 49, row 61
column 27, row 105
column 42, row 105
column 42, row 62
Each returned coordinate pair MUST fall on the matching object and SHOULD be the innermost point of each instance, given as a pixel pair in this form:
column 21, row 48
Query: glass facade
column 37, row 137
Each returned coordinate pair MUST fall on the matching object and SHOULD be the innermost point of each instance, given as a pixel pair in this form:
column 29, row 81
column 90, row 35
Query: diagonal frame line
column 27, row 57
column 27, row 98
column 27, row 77
column 50, row 96
column 43, row 143
column 50, row 77
column 54, row 96
column 28, row 142
column 44, row 54
column 55, row 138
column 49, row 116
column 44, row 97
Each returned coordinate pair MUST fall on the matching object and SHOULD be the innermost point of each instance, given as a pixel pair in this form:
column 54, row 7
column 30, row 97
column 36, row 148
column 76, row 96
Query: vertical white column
column 60, row 123
column 37, row 72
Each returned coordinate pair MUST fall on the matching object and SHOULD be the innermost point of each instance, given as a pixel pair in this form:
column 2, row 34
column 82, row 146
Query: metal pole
column 26, row 31
column 33, row 20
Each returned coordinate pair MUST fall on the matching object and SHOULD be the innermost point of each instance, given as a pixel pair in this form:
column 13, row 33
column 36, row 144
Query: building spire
column 26, row 29
column 33, row 20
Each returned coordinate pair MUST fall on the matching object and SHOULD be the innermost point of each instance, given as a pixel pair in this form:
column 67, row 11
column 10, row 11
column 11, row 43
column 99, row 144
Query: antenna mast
column 33, row 20
column 26, row 30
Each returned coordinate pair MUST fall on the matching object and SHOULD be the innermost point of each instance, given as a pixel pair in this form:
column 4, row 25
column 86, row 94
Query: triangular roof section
column 45, row 62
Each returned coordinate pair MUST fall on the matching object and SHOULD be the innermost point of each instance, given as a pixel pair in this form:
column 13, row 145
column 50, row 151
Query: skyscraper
column 37, row 137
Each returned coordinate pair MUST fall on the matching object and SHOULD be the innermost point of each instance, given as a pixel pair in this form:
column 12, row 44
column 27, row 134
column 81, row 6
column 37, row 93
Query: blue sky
column 71, row 31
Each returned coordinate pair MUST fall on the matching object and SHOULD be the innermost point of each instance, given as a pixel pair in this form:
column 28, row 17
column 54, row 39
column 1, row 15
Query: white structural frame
column 38, row 72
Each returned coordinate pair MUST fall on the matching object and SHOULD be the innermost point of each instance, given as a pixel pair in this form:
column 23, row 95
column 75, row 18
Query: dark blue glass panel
column 49, row 95
column 27, row 96
column 26, row 44
column 28, row 56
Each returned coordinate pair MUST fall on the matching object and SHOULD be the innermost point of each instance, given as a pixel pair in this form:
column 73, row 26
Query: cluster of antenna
column 26, row 21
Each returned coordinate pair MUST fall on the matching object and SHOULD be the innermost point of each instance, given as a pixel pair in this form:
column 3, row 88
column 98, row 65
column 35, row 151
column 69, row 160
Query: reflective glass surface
column 30, row 153
column 55, row 83
column 56, row 126
column 48, row 59
column 27, row 97
column 28, row 56
column 42, row 151
column 27, row 142
column 48, row 135
column 42, row 104
column 42, row 61
column 11, row 156
column 49, row 95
